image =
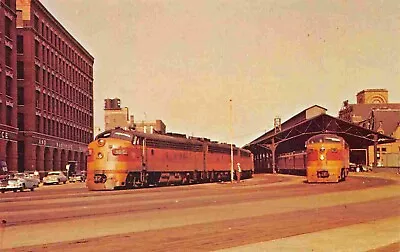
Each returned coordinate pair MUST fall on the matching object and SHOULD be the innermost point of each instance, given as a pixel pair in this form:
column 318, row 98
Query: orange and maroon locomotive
column 121, row 158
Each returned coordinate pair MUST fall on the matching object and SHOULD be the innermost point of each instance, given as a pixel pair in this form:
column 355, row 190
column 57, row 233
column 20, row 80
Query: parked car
column 55, row 177
column 34, row 174
column 18, row 181
column 78, row 176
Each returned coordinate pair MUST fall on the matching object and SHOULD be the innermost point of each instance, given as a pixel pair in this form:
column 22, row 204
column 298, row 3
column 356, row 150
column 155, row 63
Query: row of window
column 57, row 107
column 57, row 85
column 59, row 44
column 60, row 66
column 173, row 145
column 62, row 130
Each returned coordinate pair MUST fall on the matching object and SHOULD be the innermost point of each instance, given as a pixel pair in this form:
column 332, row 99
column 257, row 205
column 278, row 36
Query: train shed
column 291, row 135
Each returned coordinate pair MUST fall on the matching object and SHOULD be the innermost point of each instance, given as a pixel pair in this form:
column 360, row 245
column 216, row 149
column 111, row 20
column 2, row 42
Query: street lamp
column 231, row 131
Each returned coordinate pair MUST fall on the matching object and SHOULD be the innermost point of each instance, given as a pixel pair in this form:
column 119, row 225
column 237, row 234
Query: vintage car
column 55, row 177
column 18, row 182
column 78, row 176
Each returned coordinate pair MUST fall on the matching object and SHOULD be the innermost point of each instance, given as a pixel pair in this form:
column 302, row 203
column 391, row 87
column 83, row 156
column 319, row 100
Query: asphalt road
column 266, row 213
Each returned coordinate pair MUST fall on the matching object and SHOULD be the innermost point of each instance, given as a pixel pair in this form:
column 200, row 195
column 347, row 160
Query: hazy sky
column 182, row 60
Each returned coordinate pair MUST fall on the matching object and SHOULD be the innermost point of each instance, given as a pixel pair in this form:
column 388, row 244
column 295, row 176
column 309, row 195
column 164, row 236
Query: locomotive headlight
column 322, row 149
column 101, row 142
column 321, row 157
column 99, row 155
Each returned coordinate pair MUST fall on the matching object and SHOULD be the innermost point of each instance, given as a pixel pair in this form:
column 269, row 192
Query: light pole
column 231, row 131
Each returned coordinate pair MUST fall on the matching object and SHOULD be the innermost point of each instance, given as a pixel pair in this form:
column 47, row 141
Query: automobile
column 55, row 177
column 352, row 167
column 18, row 182
column 77, row 176
column 33, row 175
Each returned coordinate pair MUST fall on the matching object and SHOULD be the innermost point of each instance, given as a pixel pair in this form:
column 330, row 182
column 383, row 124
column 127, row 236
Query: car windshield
column 53, row 173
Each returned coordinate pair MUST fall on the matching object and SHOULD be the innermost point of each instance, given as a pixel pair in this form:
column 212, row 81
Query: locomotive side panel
column 128, row 159
column 170, row 160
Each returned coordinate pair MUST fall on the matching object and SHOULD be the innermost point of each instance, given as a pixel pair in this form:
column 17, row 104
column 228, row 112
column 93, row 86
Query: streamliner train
column 121, row 158
column 326, row 159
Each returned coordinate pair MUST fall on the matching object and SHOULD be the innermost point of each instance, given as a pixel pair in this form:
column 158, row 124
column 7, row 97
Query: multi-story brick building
column 8, row 84
column 54, row 75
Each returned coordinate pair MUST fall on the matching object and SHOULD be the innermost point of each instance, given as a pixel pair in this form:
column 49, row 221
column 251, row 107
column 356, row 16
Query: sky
column 183, row 61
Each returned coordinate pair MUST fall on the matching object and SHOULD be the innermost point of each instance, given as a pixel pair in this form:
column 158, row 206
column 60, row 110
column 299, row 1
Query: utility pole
column 231, row 131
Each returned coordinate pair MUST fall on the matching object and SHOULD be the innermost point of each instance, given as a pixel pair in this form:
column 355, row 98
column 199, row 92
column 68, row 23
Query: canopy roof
column 294, row 137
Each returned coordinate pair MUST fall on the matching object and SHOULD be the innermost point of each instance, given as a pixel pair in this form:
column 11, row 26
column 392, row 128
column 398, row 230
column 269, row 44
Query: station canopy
column 296, row 131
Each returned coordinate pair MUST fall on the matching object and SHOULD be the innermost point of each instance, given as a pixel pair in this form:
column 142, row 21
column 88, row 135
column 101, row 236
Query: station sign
column 7, row 135
column 59, row 144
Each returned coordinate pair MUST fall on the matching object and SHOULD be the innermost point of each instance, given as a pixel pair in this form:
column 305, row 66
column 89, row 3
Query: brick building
column 374, row 111
column 55, row 92
column 8, row 83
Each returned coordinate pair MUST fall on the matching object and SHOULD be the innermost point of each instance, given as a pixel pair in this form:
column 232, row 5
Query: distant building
column 156, row 126
column 373, row 111
column 115, row 116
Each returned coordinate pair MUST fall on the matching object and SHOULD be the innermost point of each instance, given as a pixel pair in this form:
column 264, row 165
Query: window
column 8, row 115
column 8, row 57
column 43, row 54
column 37, row 74
column 37, row 123
column 8, row 85
column 36, row 23
column 44, row 125
column 20, row 121
column 20, row 96
column 7, row 27
column 20, row 44
column 37, row 99
column 36, row 49
column 20, row 70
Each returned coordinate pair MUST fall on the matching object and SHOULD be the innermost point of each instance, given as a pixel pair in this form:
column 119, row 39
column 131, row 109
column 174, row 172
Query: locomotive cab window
column 137, row 140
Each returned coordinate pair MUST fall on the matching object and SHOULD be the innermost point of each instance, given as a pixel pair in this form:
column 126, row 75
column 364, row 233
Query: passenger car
column 55, row 177
column 77, row 176
column 18, row 181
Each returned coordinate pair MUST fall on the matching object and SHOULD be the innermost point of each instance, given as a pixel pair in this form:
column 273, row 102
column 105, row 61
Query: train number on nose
column 100, row 178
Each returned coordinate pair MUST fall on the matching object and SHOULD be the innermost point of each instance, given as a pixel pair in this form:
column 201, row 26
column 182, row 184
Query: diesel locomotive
column 122, row 159
column 326, row 159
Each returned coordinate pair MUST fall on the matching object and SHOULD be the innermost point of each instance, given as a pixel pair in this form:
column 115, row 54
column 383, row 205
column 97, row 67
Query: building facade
column 151, row 127
column 115, row 116
column 54, row 92
column 8, row 83
column 374, row 111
